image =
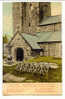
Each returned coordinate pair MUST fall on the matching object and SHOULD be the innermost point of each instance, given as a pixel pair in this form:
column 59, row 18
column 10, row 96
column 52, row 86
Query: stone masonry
column 28, row 15
column 19, row 42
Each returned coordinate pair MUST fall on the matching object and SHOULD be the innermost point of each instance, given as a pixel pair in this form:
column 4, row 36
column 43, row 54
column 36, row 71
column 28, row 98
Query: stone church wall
column 19, row 42
column 16, row 16
column 28, row 21
column 28, row 15
column 52, row 49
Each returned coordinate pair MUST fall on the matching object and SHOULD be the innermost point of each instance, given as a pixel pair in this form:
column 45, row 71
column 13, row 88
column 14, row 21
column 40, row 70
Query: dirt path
column 10, row 77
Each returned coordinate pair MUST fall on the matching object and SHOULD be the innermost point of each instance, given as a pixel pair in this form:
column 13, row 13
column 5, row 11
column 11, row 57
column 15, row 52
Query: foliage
column 5, row 39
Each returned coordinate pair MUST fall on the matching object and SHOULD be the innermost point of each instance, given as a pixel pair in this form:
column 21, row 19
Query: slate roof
column 49, row 36
column 32, row 40
column 42, row 37
column 51, row 20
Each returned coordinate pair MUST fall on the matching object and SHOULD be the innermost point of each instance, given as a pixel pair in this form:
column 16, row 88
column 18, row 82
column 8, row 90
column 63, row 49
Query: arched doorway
column 19, row 54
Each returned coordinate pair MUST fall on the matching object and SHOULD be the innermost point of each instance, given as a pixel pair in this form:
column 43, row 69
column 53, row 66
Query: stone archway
column 19, row 54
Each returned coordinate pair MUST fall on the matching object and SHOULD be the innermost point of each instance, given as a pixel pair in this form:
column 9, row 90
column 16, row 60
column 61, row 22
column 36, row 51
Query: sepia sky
column 8, row 21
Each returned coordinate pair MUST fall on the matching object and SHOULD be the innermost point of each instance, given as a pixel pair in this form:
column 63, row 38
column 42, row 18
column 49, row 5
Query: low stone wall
column 39, row 68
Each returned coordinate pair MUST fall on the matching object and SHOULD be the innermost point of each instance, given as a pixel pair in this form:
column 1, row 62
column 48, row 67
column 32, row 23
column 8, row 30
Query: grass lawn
column 52, row 76
column 46, row 59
